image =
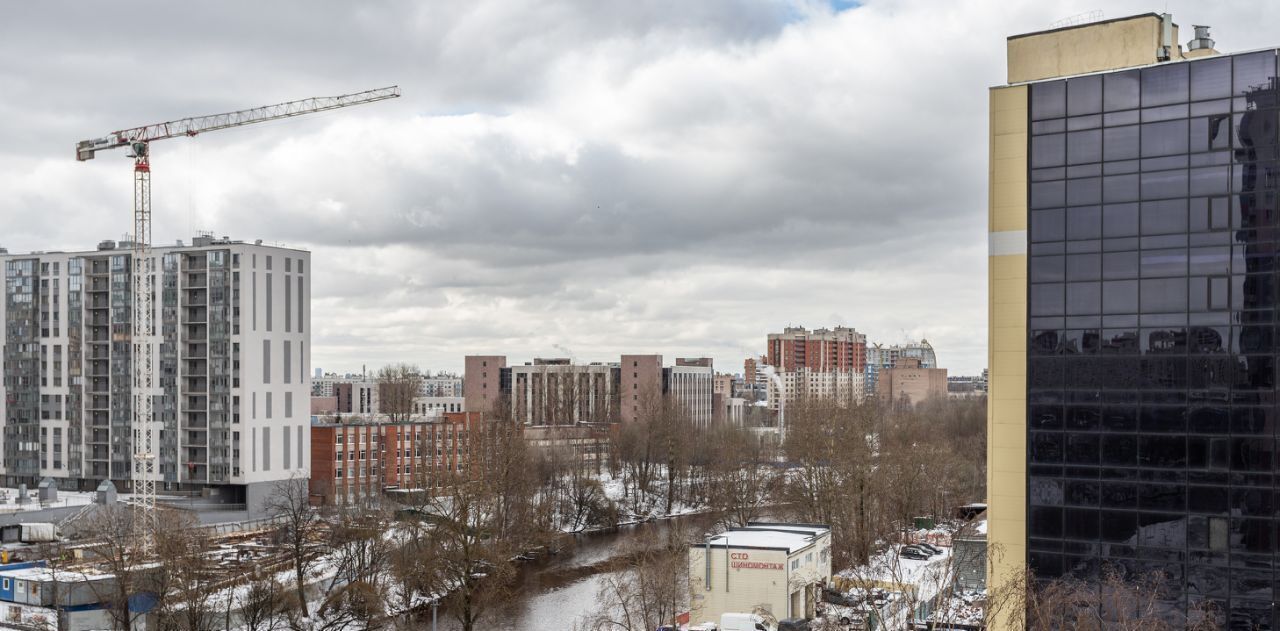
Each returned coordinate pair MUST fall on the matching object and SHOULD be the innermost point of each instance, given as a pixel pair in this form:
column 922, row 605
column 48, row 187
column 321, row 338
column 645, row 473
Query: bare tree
column 300, row 531
column 262, row 603
column 649, row 591
column 120, row 552
column 359, row 550
column 398, row 386
column 483, row 513
column 742, row 480
column 184, row 575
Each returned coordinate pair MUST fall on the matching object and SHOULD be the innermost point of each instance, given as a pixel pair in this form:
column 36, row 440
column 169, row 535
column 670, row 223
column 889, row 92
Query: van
column 745, row 622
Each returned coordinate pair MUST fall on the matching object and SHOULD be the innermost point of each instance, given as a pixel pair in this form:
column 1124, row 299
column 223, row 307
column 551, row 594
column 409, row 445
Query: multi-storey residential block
column 441, row 385
column 841, row 349
column 825, row 363
column 232, row 354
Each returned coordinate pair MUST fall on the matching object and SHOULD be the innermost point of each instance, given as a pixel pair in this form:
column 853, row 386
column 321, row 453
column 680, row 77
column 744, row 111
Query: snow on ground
column 9, row 500
column 888, row 568
column 965, row 608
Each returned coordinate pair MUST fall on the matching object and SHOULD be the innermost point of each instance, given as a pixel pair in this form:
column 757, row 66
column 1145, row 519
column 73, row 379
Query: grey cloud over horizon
column 660, row 176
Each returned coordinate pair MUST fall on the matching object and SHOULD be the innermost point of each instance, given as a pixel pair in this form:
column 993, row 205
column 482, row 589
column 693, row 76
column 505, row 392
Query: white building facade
column 232, row 356
column 779, row 567
column 691, row 387
column 843, row 387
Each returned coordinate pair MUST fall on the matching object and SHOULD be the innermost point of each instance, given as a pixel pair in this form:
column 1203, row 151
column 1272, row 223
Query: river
column 556, row 592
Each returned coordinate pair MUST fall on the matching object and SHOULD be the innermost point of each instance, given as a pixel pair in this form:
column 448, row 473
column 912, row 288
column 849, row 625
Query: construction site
column 163, row 551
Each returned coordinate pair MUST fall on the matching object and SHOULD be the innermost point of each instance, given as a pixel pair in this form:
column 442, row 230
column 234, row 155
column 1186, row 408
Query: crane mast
column 143, row 267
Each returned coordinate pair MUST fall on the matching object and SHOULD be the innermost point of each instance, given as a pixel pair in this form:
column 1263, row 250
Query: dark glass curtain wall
column 1152, row 355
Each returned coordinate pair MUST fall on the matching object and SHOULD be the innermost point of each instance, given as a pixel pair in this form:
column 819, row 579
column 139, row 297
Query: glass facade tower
column 1152, row 350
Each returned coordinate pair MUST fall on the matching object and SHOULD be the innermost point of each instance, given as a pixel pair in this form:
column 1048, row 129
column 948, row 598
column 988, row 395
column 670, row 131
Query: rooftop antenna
column 1078, row 19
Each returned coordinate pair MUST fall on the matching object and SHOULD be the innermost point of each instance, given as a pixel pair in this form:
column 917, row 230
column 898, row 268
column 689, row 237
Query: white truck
column 746, row 622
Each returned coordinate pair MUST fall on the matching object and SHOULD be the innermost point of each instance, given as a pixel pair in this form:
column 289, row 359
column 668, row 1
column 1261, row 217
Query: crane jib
column 192, row 126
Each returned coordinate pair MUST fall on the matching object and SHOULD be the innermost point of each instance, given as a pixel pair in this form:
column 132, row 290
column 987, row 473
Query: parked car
column 745, row 622
column 837, row 597
column 913, row 553
column 848, row 616
column 930, row 547
column 921, row 549
column 793, row 624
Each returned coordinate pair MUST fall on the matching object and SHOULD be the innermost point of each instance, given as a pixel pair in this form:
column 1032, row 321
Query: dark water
column 556, row 591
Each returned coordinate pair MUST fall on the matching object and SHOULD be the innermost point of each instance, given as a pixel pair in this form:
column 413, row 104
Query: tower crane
column 138, row 140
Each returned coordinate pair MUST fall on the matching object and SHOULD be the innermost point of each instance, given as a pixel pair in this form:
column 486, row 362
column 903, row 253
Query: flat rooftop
column 768, row 536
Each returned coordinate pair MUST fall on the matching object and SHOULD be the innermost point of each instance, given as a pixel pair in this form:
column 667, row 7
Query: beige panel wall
column 1007, row 304
column 1083, row 49
column 747, row 587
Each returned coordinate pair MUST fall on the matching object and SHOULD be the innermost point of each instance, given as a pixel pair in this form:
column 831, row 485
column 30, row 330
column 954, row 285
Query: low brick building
column 355, row 460
column 910, row 383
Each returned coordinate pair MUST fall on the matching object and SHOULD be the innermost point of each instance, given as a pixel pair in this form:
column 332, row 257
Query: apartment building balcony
column 196, row 314
column 195, row 299
column 195, row 336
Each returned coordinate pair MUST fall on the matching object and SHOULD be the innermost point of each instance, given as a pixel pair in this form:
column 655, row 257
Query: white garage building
column 778, row 568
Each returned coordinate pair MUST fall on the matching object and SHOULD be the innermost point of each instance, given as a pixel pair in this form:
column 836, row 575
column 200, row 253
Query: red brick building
column 350, row 461
column 841, row 349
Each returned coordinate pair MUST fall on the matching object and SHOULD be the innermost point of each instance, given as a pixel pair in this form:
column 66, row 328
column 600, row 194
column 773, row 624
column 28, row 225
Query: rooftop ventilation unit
column 1202, row 39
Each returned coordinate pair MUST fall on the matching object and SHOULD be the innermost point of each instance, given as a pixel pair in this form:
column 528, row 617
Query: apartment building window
column 300, row 445
column 268, row 405
column 270, row 302
column 266, row 440
column 288, row 405
column 288, row 361
column 301, row 303
column 285, row 453
column 288, row 302
column 266, row 360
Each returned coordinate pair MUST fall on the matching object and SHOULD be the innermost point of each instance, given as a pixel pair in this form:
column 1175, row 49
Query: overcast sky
column 677, row 176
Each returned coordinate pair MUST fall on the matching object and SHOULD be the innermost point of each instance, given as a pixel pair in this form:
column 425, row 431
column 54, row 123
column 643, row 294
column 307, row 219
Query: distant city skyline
column 652, row 177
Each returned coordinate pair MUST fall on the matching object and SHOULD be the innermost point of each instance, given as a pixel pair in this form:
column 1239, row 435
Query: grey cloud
column 666, row 176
